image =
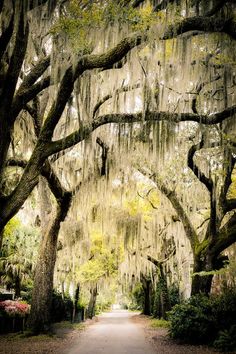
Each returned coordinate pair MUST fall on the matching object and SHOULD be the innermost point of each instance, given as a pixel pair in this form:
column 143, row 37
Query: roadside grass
column 159, row 323
column 68, row 325
column 29, row 336
column 44, row 337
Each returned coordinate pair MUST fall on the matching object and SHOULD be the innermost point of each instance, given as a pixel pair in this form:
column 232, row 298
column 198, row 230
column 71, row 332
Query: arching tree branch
column 172, row 197
column 201, row 23
column 86, row 130
column 105, row 150
column 207, row 181
column 104, row 99
column 6, row 36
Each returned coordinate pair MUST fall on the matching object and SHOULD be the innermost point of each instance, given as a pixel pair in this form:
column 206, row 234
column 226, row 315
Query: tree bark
column 76, row 298
column 164, row 294
column 92, row 301
column 40, row 319
column 202, row 283
column 147, row 289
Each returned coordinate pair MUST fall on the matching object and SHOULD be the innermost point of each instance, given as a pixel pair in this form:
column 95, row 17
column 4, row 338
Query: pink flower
column 12, row 308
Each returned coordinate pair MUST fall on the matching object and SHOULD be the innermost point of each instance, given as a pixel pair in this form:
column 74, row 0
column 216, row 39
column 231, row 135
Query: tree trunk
column 17, row 287
column 39, row 320
column 92, row 302
column 164, row 294
column 147, row 289
column 201, row 283
column 76, row 298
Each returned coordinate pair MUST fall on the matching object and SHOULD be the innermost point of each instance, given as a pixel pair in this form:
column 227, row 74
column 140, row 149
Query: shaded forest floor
column 66, row 334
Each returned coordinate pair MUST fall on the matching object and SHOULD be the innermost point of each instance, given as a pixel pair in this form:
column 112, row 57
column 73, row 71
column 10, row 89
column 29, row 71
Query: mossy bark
column 40, row 315
column 92, row 301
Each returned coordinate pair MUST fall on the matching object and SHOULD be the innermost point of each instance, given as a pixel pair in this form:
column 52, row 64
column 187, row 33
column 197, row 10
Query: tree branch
column 227, row 236
column 171, row 195
column 192, row 165
column 6, row 36
column 33, row 4
column 149, row 201
column 105, row 149
column 201, row 23
column 23, row 97
column 230, row 205
column 216, row 7
column 89, row 127
column 16, row 60
column 159, row 263
column 34, row 74
column 136, row 3
column 104, row 99
column 227, row 205
column 86, row 62
column 162, row 5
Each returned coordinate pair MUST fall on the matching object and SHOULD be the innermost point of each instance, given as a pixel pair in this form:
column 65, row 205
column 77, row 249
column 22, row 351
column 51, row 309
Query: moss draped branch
column 172, row 197
column 202, row 23
column 89, row 127
column 207, row 181
column 86, row 62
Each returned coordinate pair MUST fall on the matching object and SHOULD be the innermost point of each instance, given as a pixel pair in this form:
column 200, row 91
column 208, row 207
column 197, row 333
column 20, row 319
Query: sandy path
column 114, row 333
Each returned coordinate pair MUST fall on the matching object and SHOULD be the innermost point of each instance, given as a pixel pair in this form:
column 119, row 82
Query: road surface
column 114, row 333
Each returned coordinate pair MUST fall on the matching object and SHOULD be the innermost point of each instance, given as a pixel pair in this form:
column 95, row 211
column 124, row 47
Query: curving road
column 114, row 333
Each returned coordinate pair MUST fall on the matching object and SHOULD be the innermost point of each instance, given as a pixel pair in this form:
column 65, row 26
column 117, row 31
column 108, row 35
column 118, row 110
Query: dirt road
column 114, row 333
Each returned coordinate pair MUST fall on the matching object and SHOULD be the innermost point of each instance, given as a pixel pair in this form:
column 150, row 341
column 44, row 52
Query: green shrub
column 61, row 308
column 224, row 310
column 226, row 340
column 156, row 323
column 206, row 320
column 174, row 295
column 190, row 324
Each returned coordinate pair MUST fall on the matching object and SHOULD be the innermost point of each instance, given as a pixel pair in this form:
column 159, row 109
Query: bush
column 206, row 320
column 224, row 310
column 174, row 295
column 61, row 308
column 190, row 324
column 156, row 323
column 226, row 340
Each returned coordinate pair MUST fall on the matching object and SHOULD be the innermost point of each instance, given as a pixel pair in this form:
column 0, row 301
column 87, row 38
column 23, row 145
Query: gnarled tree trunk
column 92, row 301
column 147, row 289
column 39, row 320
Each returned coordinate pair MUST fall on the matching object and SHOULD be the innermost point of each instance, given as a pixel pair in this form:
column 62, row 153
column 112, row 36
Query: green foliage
column 224, row 309
column 84, row 18
column 226, row 340
column 102, row 262
column 191, row 323
column 204, row 319
column 159, row 323
column 61, row 308
column 232, row 189
column 19, row 252
column 69, row 325
column 174, row 296
column 156, row 302
column 137, row 297
column 143, row 204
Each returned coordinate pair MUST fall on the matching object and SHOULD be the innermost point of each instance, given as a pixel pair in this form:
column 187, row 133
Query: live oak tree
column 216, row 233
